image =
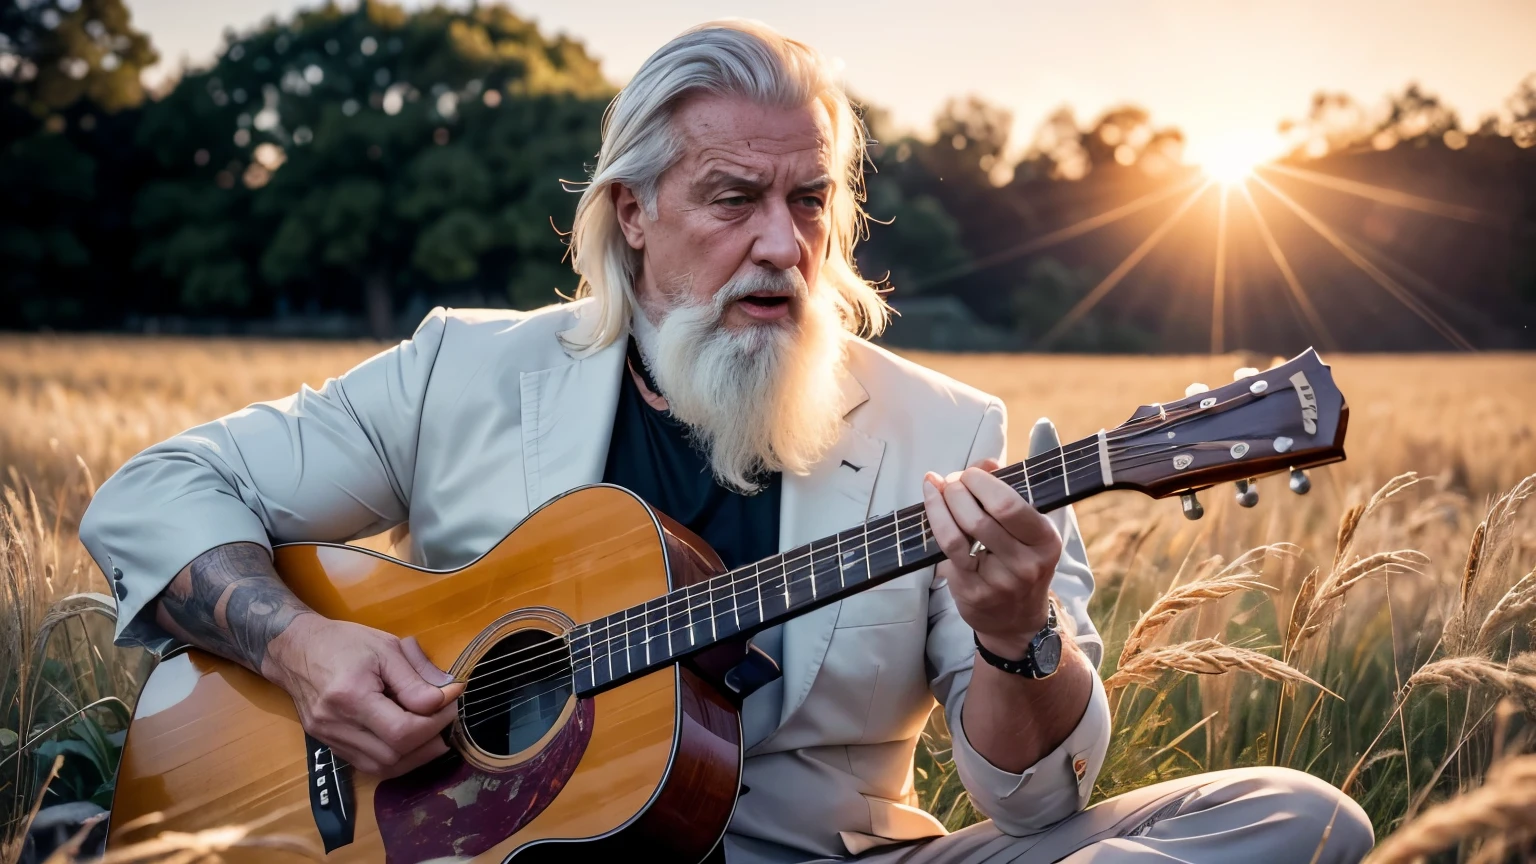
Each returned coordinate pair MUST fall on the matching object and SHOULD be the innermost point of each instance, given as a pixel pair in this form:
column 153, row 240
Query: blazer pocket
column 881, row 606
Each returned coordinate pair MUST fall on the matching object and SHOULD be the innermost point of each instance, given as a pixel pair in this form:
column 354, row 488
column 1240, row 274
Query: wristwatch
column 1043, row 656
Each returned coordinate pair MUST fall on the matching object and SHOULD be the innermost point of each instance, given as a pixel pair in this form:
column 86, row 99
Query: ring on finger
column 977, row 547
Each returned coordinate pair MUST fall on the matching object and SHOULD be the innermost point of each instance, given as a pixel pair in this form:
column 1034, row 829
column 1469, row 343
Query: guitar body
column 650, row 766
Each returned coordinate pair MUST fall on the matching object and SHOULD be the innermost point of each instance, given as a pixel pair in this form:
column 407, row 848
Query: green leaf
column 102, row 797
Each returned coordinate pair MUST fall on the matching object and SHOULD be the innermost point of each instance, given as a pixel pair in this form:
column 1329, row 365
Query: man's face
column 749, row 196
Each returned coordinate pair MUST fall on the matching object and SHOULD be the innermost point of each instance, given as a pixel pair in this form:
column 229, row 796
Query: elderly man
column 713, row 366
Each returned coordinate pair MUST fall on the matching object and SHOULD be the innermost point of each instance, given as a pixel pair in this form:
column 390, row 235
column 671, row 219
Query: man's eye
column 813, row 202
column 732, row 200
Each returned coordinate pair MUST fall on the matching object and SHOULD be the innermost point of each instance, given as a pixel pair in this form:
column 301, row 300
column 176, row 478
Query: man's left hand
column 1001, row 591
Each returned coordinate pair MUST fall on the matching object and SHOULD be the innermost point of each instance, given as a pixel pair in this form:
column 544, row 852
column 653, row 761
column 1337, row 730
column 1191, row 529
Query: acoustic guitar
column 605, row 653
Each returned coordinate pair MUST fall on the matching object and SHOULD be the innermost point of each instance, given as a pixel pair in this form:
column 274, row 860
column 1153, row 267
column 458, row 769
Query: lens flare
column 1231, row 159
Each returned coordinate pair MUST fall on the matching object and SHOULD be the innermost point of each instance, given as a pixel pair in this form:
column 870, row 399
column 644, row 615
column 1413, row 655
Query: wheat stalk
column 1397, row 484
column 1517, row 604
column 1299, row 627
column 1204, row 657
column 1181, row 599
column 1348, row 524
column 1259, row 553
column 1505, row 806
column 1474, row 561
column 1504, row 507
column 1175, row 601
column 1340, row 581
column 1471, row 671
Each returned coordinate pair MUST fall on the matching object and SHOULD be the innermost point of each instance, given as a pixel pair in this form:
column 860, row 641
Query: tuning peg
column 1192, row 508
column 1301, row 484
column 1247, row 493
column 1194, row 388
column 1244, row 372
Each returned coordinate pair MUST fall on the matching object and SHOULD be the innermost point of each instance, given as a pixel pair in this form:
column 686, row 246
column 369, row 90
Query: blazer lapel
column 568, row 422
column 834, row 496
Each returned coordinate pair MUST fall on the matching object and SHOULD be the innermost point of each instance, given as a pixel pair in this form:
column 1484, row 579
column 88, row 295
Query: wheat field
column 1376, row 632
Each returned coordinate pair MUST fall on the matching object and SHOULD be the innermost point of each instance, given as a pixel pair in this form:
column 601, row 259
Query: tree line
column 365, row 163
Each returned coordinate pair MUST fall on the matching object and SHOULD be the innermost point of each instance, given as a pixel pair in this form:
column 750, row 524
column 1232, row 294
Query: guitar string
column 1086, row 450
column 752, row 579
column 895, row 528
column 868, row 548
column 559, row 678
column 687, row 594
column 795, row 576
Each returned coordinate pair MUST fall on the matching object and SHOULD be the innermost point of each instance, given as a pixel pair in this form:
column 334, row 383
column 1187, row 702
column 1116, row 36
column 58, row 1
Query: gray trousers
column 1245, row 815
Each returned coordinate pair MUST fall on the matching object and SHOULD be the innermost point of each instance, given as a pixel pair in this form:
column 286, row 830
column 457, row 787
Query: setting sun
column 1232, row 158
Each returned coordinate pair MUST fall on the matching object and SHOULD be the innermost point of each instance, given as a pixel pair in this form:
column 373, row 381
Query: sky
column 1224, row 71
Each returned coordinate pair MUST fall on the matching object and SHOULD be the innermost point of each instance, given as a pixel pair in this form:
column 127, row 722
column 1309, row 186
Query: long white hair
column 732, row 57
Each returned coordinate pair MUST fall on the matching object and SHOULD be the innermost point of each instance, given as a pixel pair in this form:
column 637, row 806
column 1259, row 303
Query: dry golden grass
column 1201, row 657
column 1505, row 807
column 1377, row 579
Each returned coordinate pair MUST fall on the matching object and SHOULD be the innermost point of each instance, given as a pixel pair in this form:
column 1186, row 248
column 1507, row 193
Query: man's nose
column 778, row 243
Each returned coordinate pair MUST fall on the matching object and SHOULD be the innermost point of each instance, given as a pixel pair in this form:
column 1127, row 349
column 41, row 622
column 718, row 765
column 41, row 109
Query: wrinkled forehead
column 770, row 144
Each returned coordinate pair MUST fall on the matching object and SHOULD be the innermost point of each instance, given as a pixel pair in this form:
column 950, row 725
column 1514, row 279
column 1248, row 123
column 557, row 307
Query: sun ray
column 1219, row 285
column 1383, row 195
column 1083, row 306
column 1060, row 235
column 1303, row 301
column 1390, row 285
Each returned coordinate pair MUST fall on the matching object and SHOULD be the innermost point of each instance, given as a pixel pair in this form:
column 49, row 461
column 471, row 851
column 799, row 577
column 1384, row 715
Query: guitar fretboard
column 741, row 602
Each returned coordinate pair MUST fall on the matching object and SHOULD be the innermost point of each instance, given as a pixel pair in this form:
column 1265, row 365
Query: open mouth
column 766, row 301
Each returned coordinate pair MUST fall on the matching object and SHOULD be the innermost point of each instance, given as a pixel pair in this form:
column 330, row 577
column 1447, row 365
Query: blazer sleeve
column 325, row 465
column 1061, row 783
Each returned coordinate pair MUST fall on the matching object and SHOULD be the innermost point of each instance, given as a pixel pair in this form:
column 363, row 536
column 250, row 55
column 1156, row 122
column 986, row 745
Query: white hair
column 735, row 57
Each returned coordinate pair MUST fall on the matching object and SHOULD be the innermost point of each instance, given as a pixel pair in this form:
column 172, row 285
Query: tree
column 1122, row 137
column 54, row 53
column 1334, row 122
column 69, row 70
column 912, row 238
column 1414, row 116
column 356, row 159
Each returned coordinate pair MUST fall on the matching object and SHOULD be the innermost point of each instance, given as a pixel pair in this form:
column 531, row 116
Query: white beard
column 757, row 400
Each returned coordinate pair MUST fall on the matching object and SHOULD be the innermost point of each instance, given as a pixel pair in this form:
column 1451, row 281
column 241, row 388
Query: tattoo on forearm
column 232, row 604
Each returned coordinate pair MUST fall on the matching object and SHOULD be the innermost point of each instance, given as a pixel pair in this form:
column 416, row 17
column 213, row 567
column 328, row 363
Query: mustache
column 785, row 282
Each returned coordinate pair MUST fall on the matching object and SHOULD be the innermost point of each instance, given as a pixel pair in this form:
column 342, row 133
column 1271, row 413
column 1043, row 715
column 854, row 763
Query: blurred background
column 1225, row 182
column 1108, row 177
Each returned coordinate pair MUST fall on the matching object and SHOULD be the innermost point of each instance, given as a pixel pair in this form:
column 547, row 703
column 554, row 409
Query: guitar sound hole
column 517, row 692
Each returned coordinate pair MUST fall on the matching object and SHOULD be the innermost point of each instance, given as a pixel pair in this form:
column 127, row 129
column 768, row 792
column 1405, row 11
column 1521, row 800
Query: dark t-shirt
column 652, row 456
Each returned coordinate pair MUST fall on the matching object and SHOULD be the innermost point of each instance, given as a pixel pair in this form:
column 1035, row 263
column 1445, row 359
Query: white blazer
column 483, row 415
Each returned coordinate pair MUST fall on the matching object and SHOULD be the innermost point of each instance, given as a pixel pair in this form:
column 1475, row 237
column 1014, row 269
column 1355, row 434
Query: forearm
column 1013, row 721
column 229, row 601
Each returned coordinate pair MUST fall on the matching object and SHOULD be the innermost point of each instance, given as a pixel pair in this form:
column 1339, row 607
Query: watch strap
column 1027, row 665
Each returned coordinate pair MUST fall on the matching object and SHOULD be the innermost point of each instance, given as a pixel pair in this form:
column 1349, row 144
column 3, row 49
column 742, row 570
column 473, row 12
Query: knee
column 1321, row 810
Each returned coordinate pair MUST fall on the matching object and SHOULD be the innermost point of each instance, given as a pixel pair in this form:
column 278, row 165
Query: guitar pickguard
column 454, row 809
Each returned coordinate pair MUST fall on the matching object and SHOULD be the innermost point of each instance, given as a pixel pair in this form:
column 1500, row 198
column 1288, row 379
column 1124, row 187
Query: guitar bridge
column 331, row 801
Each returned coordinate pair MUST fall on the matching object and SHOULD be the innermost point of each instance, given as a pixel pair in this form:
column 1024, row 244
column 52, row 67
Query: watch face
column 1048, row 653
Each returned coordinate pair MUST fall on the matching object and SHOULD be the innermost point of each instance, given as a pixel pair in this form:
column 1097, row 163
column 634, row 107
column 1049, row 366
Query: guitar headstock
column 1288, row 417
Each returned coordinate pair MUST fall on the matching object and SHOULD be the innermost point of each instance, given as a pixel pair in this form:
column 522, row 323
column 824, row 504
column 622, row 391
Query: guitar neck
column 741, row 602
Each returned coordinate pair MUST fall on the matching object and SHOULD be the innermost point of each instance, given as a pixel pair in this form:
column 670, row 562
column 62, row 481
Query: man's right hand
column 374, row 698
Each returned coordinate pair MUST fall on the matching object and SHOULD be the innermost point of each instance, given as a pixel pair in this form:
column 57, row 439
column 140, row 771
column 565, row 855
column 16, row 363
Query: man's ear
column 631, row 215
